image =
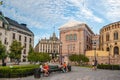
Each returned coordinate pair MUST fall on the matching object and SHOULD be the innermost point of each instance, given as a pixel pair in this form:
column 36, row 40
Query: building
column 110, row 41
column 95, row 42
column 51, row 46
column 76, row 38
column 11, row 30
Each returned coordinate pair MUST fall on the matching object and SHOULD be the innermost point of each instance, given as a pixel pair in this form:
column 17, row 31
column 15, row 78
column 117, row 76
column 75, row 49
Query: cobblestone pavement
column 78, row 73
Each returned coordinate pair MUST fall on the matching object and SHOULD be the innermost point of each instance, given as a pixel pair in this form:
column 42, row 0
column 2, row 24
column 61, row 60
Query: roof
column 109, row 25
column 16, row 24
column 71, row 23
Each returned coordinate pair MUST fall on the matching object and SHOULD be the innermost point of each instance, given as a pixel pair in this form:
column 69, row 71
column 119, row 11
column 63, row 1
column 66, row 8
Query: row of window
column 71, row 37
column 71, row 47
column 115, row 36
column 115, row 50
column 20, row 37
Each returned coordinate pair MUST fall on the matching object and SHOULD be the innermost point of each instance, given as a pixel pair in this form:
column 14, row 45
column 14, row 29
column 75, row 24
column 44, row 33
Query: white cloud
column 50, row 11
column 111, row 9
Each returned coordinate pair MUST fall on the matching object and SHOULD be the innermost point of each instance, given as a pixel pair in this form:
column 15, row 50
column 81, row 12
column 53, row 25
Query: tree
column 3, row 54
column 16, row 50
column 38, row 57
column 79, row 58
column 31, row 50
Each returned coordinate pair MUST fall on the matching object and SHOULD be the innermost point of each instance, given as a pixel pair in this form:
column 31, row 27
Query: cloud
column 112, row 8
column 49, row 11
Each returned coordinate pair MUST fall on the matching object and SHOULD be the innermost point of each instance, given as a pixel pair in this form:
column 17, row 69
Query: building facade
column 110, row 38
column 51, row 46
column 76, row 38
column 95, row 42
column 11, row 30
column 110, row 41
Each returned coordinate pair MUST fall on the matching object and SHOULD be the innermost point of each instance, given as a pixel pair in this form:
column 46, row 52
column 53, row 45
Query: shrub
column 107, row 66
column 17, row 71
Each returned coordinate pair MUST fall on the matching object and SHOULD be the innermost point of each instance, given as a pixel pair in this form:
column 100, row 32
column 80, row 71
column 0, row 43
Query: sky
column 41, row 16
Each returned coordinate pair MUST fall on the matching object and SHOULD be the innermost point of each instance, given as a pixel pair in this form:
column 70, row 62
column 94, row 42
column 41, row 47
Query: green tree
column 3, row 54
column 31, row 50
column 79, row 58
column 16, row 50
column 38, row 57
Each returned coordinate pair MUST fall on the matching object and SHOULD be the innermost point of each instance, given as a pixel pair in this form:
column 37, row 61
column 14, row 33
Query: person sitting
column 65, row 67
column 61, row 67
column 46, row 69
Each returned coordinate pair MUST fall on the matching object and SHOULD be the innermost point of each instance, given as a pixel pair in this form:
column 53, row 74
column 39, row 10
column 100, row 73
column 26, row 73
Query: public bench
column 52, row 68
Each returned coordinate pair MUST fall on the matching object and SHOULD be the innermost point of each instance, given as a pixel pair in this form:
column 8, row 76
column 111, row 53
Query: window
column 24, row 51
column 19, row 37
column 30, row 40
column 5, row 42
column 71, row 37
column 107, row 37
column 75, row 37
column 25, row 39
column 116, row 50
column 115, row 35
column 13, row 35
column 107, row 49
column 67, row 37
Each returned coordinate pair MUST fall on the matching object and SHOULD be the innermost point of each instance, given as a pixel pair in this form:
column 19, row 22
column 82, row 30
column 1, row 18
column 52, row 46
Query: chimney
column 23, row 24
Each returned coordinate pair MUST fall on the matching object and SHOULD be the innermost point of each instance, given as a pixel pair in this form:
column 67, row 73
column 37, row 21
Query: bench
column 52, row 68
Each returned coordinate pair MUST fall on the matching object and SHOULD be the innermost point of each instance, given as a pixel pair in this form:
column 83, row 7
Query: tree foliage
column 38, row 57
column 3, row 54
column 15, row 50
column 79, row 58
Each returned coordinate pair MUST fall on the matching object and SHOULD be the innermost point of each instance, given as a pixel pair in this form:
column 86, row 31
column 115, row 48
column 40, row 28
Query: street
column 78, row 73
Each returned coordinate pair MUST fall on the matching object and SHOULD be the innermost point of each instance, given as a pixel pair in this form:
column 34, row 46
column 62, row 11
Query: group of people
column 45, row 68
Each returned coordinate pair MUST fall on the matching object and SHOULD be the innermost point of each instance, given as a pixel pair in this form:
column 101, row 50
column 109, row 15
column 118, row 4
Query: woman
column 46, row 69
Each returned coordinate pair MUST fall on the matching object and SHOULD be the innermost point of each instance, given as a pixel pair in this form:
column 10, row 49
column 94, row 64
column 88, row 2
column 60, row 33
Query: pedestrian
column 93, row 66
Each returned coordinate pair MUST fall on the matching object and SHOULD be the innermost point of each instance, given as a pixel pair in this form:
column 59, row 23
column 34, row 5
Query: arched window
column 116, row 50
column 107, row 37
column 107, row 49
column 115, row 35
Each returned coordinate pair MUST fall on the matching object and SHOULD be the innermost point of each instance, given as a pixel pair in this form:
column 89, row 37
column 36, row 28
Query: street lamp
column 109, row 54
column 95, row 50
column 60, row 52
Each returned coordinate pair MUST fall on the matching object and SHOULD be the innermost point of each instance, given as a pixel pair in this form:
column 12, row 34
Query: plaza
column 78, row 73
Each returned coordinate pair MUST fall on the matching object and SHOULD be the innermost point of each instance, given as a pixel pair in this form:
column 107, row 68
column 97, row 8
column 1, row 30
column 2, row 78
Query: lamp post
column 60, row 52
column 109, row 55
column 95, row 51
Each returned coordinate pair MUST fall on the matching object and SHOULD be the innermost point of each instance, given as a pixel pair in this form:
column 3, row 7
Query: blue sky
column 42, row 15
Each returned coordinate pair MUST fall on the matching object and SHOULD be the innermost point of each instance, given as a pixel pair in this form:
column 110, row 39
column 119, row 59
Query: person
column 46, row 69
column 61, row 67
column 93, row 66
column 65, row 67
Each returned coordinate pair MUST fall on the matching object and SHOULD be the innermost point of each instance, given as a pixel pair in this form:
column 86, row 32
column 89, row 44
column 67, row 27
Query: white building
column 11, row 30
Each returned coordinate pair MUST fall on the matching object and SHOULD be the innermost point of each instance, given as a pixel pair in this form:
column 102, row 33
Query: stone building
column 110, row 41
column 11, row 30
column 51, row 46
column 95, row 42
column 76, row 38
